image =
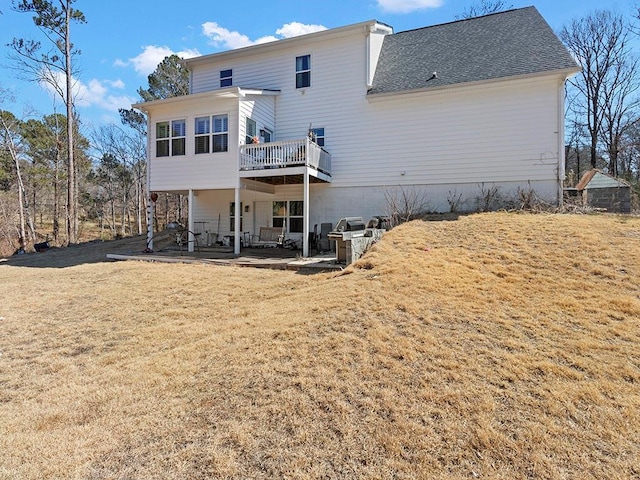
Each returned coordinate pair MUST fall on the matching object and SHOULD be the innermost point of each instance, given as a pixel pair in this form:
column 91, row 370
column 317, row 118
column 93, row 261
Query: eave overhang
column 222, row 93
column 564, row 73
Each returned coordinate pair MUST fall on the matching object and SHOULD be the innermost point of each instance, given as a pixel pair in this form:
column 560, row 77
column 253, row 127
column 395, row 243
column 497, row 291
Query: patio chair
column 182, row 239
column 323, row 240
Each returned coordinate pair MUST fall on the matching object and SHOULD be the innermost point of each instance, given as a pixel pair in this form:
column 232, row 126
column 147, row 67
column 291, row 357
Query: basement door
column 262, row 216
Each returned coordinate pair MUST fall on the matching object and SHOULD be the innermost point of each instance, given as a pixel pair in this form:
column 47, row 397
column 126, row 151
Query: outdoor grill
column 346, row 229
column 349, row 224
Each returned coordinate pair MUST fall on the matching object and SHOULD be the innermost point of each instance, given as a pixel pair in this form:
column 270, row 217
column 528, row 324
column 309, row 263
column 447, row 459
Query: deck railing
column 286, row 153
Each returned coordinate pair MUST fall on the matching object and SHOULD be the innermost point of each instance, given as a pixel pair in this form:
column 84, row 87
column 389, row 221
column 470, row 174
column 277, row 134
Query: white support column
column 236, row 224
column 150, row 204
column 305, row 219
column 191, row 238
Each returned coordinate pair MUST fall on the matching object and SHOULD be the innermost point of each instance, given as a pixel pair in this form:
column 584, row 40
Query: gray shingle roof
column 512, row 43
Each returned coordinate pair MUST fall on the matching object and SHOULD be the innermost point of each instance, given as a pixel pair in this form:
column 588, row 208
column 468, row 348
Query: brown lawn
column 492, row 346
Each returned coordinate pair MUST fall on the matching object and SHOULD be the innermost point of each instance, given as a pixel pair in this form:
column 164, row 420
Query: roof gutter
column 231, row 92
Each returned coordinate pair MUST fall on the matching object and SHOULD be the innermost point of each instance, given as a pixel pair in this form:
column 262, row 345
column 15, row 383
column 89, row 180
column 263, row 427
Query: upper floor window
column 251, row 131
column 170, row 138
column 226, row 78
column 317, row 135
column 203, row 137
column 303, row 71
column 265, row 135
column 220, row 133
column 212, row 134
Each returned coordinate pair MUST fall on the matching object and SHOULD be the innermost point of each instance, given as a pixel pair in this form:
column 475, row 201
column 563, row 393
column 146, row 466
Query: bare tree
column 485, row 7
column 9, row 141
column 403, row 204
column 603, row 88
column 55, row 68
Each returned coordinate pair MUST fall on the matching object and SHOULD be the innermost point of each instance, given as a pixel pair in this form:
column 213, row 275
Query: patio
column 273, row 258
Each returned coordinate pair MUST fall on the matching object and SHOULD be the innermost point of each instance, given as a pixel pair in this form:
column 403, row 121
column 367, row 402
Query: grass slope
column 497, row 345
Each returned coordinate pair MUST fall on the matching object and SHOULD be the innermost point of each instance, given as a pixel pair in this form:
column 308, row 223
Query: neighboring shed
column 600, row 190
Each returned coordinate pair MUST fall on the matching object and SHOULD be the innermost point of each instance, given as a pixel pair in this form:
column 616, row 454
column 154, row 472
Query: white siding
column 504, row 132
column 258, row 108
column 256, row 71
column 447, row 141
column 214, row 170
column 337, row 93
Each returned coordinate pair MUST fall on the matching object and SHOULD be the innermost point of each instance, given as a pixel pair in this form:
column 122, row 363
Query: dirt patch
column 88, row 252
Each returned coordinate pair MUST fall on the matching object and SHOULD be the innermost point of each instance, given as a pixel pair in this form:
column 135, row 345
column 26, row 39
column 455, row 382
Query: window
column 211, row 134
column 162, row 139
column 203, row 129
column 178, row 137
column 265, row 135
column 170, row 138
column 251, row 131
column 317, row 135
column 232, row 216
column 296, row 213
column 303, row 71
column 220, row 133
column 226, row 78
column 289, row 213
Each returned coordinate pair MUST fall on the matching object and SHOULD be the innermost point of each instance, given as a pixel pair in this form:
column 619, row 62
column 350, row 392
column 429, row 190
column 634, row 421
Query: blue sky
column 123, row 41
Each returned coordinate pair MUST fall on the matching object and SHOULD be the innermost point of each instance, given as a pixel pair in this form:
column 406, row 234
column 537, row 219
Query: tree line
column 603, row 114
column 54, row 176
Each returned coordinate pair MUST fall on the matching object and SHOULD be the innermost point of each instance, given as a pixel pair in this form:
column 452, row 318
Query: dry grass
column 496, row 346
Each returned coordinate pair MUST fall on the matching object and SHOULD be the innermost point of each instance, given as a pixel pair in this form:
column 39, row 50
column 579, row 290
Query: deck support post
column 191, row 239
column 305, row 213
column 236, row 223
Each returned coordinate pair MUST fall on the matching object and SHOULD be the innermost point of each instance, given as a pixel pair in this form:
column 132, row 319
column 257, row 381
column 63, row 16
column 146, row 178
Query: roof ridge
column 461, row 20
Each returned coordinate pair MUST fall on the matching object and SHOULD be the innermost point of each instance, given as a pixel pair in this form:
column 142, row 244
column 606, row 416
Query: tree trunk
column 14, row 156
column 141, row 207
column 113, row 217
column 23, row 236
column 72, row 214
column 56, row 194
column 123, row 219
column 594, row 150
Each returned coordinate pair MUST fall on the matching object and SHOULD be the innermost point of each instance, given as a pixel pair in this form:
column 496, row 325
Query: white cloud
column 222, row 37
column 95, row 93
column 116, row 84
column 147, row 61
column 406, row 6
column 295, row 29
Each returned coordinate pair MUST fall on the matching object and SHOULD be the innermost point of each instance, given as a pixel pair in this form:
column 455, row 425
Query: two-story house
column 310, row 129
